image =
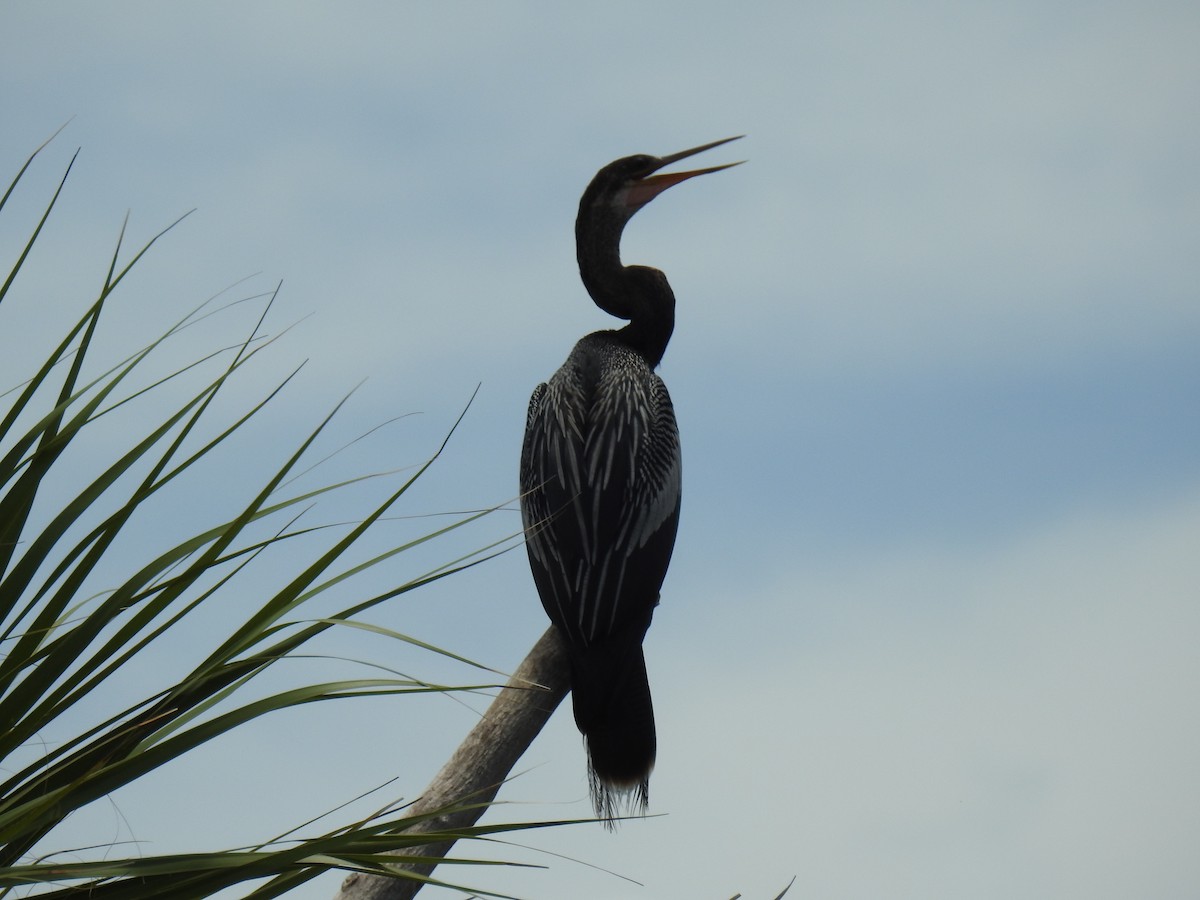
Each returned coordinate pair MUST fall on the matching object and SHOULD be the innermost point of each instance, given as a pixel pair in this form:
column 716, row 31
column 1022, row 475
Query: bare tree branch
column 480, row 764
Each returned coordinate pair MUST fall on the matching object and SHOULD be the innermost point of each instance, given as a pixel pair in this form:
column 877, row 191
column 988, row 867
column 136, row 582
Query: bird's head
column 623, row 187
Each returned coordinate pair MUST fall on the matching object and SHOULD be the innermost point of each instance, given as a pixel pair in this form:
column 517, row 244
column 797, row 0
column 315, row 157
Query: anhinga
column 600, row 484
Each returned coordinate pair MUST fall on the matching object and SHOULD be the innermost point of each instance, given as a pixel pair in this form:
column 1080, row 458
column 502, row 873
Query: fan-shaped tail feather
column 611, row 697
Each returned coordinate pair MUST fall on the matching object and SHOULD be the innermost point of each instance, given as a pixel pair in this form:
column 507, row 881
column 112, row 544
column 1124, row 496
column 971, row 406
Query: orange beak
column 643, row 191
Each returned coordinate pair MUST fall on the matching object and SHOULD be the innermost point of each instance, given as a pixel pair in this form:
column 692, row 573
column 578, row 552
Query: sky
column 931, row 625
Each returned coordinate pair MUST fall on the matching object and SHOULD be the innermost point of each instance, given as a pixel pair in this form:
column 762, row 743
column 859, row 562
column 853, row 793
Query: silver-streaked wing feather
column 600, row 492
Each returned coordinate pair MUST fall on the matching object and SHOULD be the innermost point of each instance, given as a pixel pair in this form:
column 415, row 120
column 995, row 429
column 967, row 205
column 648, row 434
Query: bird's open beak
column 643, row 191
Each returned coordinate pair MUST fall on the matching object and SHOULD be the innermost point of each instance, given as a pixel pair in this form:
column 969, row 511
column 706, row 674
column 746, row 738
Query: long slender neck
column 637, row 293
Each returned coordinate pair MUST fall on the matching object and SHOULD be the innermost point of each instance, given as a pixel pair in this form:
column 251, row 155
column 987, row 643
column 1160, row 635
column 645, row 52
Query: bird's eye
column 642, row 164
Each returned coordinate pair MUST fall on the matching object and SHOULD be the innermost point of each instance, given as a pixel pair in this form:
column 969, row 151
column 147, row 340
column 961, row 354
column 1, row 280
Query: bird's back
column 600, row 485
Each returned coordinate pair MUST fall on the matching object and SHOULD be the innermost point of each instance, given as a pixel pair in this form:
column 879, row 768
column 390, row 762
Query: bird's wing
column 551, row 482
column 600, row 488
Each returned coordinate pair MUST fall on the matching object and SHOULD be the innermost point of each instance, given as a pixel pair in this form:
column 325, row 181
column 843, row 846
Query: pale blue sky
column 931, row 626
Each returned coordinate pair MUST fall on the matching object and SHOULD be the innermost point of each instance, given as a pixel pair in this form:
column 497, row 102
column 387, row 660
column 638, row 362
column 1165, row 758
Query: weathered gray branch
column 480, row 764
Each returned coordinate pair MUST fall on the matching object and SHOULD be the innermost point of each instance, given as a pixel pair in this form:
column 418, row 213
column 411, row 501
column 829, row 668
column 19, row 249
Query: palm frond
column 63, row 641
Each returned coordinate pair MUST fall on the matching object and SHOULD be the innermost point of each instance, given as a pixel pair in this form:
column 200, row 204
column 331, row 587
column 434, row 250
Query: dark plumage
column 600, row 485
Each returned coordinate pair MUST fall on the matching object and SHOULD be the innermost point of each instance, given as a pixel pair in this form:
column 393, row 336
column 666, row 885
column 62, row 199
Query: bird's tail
column 611, row 696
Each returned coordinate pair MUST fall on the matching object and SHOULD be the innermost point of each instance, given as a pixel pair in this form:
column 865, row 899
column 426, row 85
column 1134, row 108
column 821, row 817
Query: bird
column 600, row 481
